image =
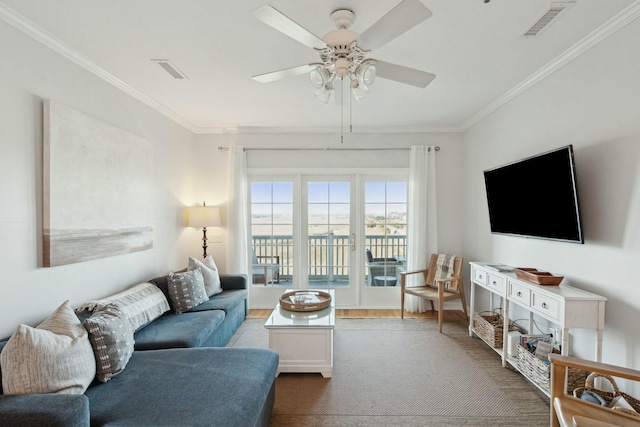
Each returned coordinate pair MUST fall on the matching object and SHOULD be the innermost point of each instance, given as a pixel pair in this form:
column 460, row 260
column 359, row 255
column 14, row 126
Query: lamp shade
column 204, row 216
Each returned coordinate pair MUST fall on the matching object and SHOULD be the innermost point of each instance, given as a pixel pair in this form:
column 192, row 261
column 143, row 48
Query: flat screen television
column 536, row 197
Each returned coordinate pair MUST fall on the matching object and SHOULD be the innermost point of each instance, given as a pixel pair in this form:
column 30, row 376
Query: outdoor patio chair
column 265, row 272
column 442, row 282
column 383, row 271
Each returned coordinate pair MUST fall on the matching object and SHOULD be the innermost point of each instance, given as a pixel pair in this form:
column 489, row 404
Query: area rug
column 401, row 372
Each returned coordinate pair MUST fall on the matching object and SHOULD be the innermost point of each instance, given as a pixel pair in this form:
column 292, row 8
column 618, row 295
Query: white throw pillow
column 209, row 273
column 55, row 357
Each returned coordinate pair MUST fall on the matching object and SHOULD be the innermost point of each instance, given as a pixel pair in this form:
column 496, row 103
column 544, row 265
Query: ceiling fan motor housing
column 342, row 53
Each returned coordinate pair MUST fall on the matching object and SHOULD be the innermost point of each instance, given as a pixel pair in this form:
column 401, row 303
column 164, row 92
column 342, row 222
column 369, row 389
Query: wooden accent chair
column 569, row 411
column 437, row 288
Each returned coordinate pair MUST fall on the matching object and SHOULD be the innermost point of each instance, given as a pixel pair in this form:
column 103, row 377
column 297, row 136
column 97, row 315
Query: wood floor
column 373, row 314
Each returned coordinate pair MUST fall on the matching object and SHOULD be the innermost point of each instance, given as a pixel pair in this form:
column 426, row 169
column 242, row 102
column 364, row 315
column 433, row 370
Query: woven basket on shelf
column 540, row 373
column 608, row 395
column 490, row 326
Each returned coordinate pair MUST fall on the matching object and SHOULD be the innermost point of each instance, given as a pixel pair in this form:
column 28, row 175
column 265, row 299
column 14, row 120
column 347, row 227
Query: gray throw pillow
column 55, row 357
column 209, row 274
column 186, row 290
column 111, row 337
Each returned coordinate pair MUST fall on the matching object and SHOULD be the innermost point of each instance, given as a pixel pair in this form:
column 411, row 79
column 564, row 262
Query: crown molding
column 605, row 30
column 41, row 35
column 325, row 130
column 31, row 29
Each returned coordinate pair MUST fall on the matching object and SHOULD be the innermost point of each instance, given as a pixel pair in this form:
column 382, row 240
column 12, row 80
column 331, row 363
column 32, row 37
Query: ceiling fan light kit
column 342, row 51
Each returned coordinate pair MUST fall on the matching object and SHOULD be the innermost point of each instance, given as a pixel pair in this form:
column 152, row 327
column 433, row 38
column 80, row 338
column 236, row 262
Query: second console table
column 564, row 306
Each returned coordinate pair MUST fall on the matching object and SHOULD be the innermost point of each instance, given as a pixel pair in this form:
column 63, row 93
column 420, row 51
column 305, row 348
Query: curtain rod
column 322, row 149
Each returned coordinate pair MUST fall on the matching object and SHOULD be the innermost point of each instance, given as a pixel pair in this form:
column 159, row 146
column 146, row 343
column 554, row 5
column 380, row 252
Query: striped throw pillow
column 141, row 304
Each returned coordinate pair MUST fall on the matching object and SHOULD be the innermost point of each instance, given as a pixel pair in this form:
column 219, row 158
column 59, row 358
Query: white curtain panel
column 237, row 253
column 422, row 225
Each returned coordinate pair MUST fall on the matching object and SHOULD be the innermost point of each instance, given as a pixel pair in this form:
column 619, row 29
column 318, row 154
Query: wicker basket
column 490, row 326
column 540, row 373
column 608, row 395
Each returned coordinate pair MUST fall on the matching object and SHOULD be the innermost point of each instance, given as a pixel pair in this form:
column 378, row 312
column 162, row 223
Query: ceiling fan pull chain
column 342, row 111
column 350, row 112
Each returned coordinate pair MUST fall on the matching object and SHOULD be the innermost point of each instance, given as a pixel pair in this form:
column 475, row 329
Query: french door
column 328, row 235
column 317, row 231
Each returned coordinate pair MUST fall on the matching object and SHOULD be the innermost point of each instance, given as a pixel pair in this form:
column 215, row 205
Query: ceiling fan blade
column 402, row 74
column 280, row 22
column 399, row 20
column 281, row 74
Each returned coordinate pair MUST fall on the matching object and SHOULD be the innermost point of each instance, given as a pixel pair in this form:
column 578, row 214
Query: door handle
column 353, row 242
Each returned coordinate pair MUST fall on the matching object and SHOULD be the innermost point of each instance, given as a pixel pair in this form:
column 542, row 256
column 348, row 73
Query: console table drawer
column 519, row 293
column 480, row 276
column 496, row 283
column 545, row 305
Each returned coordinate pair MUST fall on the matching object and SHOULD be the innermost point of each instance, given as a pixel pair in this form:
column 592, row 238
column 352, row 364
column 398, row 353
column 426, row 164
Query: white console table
column 562, row 305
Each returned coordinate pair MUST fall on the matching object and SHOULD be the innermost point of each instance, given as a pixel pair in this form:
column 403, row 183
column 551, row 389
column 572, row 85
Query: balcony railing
column 328, row 254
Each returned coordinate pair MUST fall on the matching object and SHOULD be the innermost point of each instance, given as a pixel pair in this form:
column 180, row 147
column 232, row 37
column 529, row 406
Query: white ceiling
column 473, row 47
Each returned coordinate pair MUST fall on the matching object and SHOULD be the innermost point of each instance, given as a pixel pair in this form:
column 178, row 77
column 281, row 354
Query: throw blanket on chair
column 444, row 269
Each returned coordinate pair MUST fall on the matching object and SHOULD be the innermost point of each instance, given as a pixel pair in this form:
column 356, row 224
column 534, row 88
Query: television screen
column 536, row 197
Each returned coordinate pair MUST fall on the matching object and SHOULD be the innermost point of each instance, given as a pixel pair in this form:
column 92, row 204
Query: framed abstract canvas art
column 97, row 188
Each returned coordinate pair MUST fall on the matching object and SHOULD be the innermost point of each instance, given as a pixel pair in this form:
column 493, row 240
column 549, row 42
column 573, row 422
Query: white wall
column 594, row 104
column 30, row 73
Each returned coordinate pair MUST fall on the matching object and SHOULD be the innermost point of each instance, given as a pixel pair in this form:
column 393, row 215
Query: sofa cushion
column 45, row 410
column 54, row 357
column 209, row 272
column 142, row 304
column 194, row 387
column 111, row 337
column 226, row 301
column 186, row 290
column 180, row 330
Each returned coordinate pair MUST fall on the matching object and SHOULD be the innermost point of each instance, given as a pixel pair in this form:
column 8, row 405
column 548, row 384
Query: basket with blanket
column 614, row 399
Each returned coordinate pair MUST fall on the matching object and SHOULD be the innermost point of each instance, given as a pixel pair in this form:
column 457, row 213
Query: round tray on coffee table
column 311, row 300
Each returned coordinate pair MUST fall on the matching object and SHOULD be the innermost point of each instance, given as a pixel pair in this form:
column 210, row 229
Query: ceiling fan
column 343, row 53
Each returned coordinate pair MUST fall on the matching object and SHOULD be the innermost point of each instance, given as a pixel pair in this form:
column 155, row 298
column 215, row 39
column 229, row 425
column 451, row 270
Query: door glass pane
column 318, row 192
column 385, row 213
column 339, row 192
column 272, row 233
column 329, row 233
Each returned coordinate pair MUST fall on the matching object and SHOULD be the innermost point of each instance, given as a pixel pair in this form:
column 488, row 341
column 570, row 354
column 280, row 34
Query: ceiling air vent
column 170, row 68
column 544, row 20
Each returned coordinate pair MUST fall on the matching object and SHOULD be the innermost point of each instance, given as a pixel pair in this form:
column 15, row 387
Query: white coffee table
column 304, row 340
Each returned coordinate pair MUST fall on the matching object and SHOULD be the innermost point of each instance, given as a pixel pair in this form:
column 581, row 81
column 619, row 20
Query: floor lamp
column 204, row 216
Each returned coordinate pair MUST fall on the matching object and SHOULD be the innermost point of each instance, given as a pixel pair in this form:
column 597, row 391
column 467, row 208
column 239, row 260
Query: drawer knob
column 519, row 294
column 494, row 283
column 544, row 305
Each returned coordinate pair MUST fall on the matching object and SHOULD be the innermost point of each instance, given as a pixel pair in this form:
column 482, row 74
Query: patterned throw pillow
column 55, row 357
column 111, row 337
column 186, row 290
column 209, row 273
column 142, row 304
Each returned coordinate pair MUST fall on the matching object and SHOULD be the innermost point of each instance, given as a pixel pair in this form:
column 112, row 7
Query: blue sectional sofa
column 178, row 375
